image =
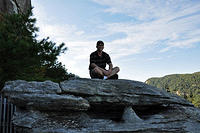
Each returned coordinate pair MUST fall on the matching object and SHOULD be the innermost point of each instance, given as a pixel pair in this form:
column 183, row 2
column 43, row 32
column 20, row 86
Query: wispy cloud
column 58, row 32
column 147, row 10
column 169, row 23
column 154, row 59
column 155, row 21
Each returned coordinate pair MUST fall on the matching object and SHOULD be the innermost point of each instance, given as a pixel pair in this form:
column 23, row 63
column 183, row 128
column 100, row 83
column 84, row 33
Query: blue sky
column 144, row 38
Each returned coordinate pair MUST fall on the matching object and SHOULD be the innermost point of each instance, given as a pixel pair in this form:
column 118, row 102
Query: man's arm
column 110, row 68
column 92, row 61
column 93, row 65
column 108, row 61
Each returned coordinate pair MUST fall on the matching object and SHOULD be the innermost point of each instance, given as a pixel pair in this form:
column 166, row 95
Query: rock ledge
column 85, row 105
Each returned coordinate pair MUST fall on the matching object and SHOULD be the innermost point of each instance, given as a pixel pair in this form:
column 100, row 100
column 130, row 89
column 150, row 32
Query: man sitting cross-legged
column 98, row 61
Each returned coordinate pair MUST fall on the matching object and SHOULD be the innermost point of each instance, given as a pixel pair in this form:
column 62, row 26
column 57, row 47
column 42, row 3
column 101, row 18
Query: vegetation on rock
column 22, row 56
column 185, row 85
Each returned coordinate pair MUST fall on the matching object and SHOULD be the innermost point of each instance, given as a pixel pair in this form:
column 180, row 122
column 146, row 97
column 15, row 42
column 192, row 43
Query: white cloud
column 139, row 37
column 57, row 32
column 146, row 9
column 60, row 33
column 170, row 23
column 76, row 58
column 173, row 21
column 154, row 59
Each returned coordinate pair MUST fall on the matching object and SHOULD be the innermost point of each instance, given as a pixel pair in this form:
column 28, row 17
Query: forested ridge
column 184, row 85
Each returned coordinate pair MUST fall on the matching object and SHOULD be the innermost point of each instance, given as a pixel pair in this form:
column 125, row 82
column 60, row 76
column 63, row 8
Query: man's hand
column 109, row 71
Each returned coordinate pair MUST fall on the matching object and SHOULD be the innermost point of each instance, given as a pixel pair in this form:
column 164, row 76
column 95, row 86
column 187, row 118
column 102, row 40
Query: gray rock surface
column 85, row 105
column 14, row 6
column 129, row 116
column 120, row 92
column 42, row 96
column 21, row 86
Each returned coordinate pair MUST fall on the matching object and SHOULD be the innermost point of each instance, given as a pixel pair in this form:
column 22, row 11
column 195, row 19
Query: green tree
column 196, row 100
column 188, row 85
column 22, row 56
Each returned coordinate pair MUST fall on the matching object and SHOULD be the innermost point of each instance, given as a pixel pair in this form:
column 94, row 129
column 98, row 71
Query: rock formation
column 85, row 105
column 14, row 6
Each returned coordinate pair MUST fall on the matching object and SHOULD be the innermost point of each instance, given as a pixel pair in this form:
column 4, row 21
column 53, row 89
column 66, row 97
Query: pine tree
column 22, row 56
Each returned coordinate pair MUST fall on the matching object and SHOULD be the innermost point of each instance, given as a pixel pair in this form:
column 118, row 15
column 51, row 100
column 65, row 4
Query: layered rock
column 85, row 105
column 14, row 6
column 43, row 96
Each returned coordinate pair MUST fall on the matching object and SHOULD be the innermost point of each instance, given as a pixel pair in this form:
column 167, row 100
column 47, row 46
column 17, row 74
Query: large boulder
column 14, row 6
column 42, row 96
column 85, row 105
column 119, row 93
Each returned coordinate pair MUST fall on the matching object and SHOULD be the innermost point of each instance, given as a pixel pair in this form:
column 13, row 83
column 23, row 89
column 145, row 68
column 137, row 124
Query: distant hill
column 185, row 85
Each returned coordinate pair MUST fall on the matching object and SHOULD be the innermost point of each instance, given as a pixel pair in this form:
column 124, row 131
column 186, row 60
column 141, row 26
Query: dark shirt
column 100, row 61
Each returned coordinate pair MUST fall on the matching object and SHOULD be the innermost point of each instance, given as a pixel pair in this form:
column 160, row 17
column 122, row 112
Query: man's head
column 100, row 45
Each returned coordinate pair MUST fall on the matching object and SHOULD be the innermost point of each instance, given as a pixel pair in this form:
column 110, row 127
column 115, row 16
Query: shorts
column 95, row 75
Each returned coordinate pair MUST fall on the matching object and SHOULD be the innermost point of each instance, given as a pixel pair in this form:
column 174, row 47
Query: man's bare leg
column 102, row 72
column 105, row 72
column 115, row 70
column 98, row 71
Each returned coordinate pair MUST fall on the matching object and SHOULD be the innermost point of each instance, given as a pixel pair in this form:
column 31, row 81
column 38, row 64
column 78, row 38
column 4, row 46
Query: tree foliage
column 185, row 85
column 22, row 56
